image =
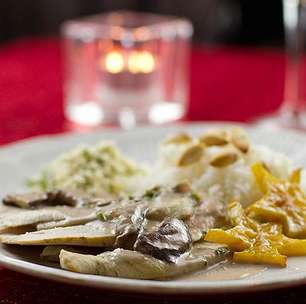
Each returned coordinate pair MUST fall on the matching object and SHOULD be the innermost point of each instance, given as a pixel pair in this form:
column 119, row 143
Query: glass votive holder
column 125, row 67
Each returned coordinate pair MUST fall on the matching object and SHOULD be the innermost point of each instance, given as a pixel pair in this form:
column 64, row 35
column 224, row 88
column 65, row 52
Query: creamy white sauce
column 225, row 271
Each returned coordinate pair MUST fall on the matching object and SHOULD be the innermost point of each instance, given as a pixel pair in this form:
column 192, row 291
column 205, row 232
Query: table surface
column 226, row 84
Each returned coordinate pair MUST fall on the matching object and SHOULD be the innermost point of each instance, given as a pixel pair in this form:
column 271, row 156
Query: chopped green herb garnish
column 222, row 251
column 101, row 217
column 152, row 193
column 195, row 197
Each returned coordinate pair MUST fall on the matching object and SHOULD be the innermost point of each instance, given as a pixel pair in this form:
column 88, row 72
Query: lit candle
column 132, row 70
column 133, row 65
column 128, row 78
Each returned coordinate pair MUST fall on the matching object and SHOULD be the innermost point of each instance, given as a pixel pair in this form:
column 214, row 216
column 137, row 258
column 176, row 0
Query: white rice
column 102, row 169
column 219, row 184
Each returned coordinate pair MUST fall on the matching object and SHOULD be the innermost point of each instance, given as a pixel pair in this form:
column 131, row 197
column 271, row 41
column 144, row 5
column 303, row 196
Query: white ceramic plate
column 21, row 160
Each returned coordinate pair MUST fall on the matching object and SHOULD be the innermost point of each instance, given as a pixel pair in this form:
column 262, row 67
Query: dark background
column 248, row 22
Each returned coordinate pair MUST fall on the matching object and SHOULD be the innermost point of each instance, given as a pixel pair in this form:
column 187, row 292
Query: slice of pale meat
column 68, row 222
column 26, row 218
column 102, row 235
column 117, row 263
column 135, row 265
column 171, row 203
column 71, row 211
column 179, row 208
column 161, row 202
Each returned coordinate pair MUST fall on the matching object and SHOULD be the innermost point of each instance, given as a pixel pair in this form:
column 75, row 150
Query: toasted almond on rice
column 181, row 138
column 224, row 158
column 214, row 137
column 240, row 139
column 191, row 155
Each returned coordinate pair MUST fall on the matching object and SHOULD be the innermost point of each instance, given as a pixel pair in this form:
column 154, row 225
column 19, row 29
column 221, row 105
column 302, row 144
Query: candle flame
column 141, row 62
column 114, row 62
column 137, row 62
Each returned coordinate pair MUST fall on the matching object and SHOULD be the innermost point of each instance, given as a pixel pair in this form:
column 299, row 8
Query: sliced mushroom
column 26, row 200
column 128, row 227
column 35, row 199
column 99, row 235
column 191, row 155
column 224, row 158
column 167, row 242
column 61, row 197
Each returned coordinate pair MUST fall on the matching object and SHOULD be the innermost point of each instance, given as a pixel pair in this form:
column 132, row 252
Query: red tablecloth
column 226, row 84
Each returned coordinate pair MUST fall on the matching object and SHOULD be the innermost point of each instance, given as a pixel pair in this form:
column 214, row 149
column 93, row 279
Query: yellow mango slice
column 269, row 258
column 232, row 238
column 254, row 242
column 283, row 202
column 238, row 237
column 293, row 247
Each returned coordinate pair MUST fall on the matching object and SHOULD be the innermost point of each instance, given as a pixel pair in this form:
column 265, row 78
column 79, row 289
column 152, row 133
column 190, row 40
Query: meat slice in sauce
column 167, row 242
column 181, row 208
column 206, row 216
column 161, row 202
column 68, row 222
column 36, row 199
column 121, row 207
column 177, row 202
column 100, row 235
column 29, row 218
column 136, row 265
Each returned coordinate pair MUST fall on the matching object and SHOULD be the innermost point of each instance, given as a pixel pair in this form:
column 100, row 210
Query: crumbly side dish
column 208, row 199
column 94, row 170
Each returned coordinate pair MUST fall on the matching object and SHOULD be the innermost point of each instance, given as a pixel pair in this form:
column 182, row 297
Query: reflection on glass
column 124, row 68
column 293, row 112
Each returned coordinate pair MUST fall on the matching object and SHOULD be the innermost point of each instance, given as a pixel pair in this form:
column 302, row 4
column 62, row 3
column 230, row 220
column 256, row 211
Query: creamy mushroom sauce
column 225, row 271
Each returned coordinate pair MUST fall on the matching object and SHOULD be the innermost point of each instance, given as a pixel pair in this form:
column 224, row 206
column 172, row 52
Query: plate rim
column 144, row 286
column 144, row 128
column 150, row 286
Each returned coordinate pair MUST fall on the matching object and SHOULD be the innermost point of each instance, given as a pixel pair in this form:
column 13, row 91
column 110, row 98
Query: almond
column 214, row 137
column 224, row 158
column 191, row 155
column 182, row 188
column 178, row 139
column 240, row 139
